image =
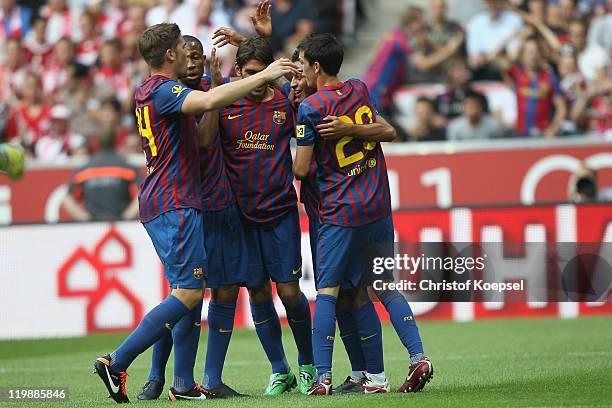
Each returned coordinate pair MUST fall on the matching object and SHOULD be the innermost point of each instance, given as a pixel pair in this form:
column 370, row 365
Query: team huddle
column 220, row 207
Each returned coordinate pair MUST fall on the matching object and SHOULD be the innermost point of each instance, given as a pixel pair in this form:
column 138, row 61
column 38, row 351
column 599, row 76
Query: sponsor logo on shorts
column 296, row 271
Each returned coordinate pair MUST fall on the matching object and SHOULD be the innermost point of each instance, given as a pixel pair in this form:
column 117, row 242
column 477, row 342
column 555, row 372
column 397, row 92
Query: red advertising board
column 425, row 175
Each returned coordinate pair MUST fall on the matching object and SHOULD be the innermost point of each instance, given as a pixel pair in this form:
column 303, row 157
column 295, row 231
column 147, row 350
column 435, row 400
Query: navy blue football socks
column 370, row 335
column 186, row 336
column 267, row 326
column 300, row 322
column 159, row 359
column 220, row 327
column 324, row 330
column 403, row 322
column 350, row 338
column 154, row 325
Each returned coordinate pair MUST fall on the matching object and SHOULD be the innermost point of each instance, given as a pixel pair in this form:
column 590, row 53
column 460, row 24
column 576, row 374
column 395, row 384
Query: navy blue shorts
column 275, row 251
column 226, row 248
column 342, row 252
column 178, row 239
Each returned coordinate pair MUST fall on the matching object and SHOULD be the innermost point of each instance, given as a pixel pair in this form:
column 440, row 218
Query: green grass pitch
column 497, row 363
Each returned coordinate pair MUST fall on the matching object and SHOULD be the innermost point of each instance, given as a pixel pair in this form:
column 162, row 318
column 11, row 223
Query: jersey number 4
column 343, row 159
column 145, row 131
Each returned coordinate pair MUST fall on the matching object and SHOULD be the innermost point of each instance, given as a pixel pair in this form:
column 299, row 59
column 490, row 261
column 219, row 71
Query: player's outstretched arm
column 198, row 102
column 333, row 128
column 301, row 164
column 209, row 125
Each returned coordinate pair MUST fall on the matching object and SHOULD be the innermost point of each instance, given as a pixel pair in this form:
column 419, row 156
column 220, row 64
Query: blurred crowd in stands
column 68, row 68
column 555, row 55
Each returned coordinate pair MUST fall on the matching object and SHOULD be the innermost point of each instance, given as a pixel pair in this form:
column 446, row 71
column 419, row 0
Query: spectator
column 136, row 19
column 475, row 123
column 560, row 14
column 14, row 20
column 29, row 120
column 450, row 103
column 441, row 29
column 37, row 47
column 407, row 44
column 172, row 11
column 62, row 21
column 426, row 59
column 114, row 20
column 12, row 72
column 600, row 30
column 540, row 105
column 60, row 143
column 113, row 73
column 575, row 92
column 593, row 61
column 105, row 188
column 600, row 113
column 88, row 48
column 583, row 186
column 485, row 32
column 109, row 116
column 209, row 18
column 424, row 128
column 292, row 20
column 57, row 73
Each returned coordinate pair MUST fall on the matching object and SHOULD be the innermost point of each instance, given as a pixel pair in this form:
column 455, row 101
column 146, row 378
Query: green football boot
column 280, row 383
column 308, row 376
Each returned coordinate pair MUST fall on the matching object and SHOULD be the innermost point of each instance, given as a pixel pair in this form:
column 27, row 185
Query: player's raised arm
column 198, row 102
column 208, row 128
column 333, row 128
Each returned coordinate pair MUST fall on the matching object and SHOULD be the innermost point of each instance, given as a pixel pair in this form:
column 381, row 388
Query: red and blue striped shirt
column 170, row 144
column 256, row 139
column 216, row 190
column 351, row 174
column 535, row 98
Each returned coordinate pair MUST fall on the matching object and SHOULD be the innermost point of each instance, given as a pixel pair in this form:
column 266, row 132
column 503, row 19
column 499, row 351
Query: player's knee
column 260, row 294
column 361, row 298
column 333, row 291
column 189, row 297
column 345, row 299
column 225, row 295
column 289, row 293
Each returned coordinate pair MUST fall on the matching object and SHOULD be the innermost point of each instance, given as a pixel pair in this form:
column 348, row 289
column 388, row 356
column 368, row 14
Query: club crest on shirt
column 198, row 273
column 279, row 117
column 178, row 90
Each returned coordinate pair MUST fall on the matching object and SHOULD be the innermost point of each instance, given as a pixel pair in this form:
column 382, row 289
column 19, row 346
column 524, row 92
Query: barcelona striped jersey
column 386, row 73
column 256, row 139
column 170, row 143
column 535, row 98
column 216, row 189
column 351, row 174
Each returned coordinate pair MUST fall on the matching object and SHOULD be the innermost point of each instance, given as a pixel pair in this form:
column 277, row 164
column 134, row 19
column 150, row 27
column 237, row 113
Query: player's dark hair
column 296, row 55
column 196, row 41
column 156, row 40
column 324, row 49
column 255, row 48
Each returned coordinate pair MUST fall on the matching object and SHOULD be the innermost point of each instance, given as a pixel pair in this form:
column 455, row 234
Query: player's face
column 309, row 71
column 195, row 64
column 180, row 62
column 300, row 87
column 253, row 67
